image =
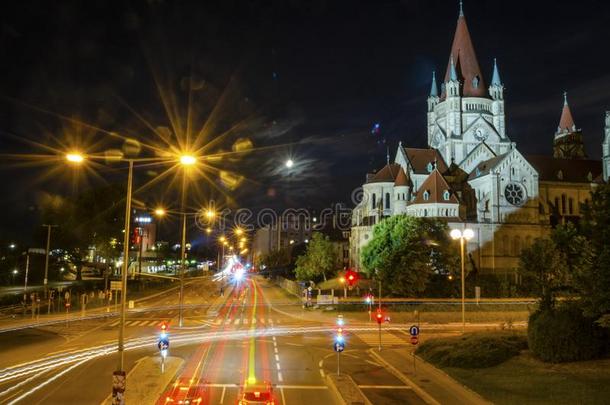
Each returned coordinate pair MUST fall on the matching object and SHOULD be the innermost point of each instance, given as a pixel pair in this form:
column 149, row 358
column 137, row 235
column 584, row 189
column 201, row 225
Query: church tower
column 568, row 142
column 466, row 112
column 606, row 149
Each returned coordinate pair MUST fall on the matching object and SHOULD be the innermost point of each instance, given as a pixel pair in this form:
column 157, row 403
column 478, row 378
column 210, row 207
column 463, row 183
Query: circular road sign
column 414, row 330
column 414, row 340
column 339, row 347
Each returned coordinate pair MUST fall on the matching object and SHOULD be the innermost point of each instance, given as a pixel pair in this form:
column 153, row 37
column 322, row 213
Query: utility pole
column 46, row 261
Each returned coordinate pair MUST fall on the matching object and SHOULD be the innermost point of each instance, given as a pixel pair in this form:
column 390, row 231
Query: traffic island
column 146, row 383
column 346, row 390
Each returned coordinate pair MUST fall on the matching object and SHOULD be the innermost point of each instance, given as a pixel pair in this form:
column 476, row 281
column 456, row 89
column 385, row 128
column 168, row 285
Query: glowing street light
column 75, row 157
column 160, row 212
column 289, row 163
column 222, row 239
column 188, row 160
column 239, row 231
column 466, row 234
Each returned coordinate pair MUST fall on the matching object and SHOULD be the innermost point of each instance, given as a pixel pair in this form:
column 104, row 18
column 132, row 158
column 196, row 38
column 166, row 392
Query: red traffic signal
column 163, row 327
column 351, row 277
column 379, row 317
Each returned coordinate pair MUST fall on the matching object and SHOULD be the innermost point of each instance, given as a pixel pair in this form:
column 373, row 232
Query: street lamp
column 185, row 160
column 75, row 157
column 160, row 212
column 188, row 160
column 466, row 234
column 289, row 163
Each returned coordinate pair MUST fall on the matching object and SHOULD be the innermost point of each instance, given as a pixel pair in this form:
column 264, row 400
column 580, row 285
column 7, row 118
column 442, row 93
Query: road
column 255, row 333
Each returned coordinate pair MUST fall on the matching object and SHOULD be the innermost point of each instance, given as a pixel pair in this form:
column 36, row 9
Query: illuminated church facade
column 474, row 176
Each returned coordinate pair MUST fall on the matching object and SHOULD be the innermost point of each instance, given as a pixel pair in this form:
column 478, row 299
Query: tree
column 318, row 260
column 92, row 218
column 544, row 267
column 593, row 282
column 405, row 251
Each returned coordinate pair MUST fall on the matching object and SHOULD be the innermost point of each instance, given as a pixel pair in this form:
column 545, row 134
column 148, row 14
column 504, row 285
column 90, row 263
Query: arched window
column 563, row 203
column 426, row 195
column 387, row 201
column 571, row 206
column 446, row 195
column 425, row 212
column 430, row 167
column 374, row 201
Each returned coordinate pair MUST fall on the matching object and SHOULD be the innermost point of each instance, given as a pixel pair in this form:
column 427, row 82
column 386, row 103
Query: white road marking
column 277, row 358
column 275, row 349
column 279, row 377
column 277, row 365
column 386, row 387
column 222, row 396
column 283, row 398
column 322, row 373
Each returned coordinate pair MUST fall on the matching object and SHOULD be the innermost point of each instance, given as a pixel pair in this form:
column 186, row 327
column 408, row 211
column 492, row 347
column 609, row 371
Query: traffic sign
column 163, row 344
column 115, row 285
column 414, row 330
column 414, row 340
column 339, row 346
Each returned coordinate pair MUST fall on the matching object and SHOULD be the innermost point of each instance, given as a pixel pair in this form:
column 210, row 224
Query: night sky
column 305, row 79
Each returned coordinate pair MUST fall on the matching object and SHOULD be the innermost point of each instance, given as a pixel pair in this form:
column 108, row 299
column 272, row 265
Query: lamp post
column 466, row 234
column 119, row 376
column 185, row 161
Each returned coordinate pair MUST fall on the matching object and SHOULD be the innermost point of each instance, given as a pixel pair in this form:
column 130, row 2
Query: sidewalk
column 430, row 383
column 105, row 311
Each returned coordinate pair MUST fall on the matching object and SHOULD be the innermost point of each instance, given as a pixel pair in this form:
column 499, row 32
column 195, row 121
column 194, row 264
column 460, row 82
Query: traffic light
column 351, row 277
column 379, row 317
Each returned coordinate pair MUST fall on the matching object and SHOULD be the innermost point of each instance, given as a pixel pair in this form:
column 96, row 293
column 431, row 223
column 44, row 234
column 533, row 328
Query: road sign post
column 339, row 347
column 414, row 332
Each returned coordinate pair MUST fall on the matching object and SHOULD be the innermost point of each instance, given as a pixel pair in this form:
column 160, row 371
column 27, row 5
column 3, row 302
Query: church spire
column 452, row 72
column 433, row 87
column 465, row 61
column 566, row 122
column 495, row 78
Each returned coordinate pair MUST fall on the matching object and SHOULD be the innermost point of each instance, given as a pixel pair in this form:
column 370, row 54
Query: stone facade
column 472, row 174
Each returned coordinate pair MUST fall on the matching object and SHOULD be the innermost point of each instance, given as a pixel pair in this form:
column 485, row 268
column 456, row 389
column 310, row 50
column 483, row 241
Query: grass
column 525, row 380
column 495, row 365
column 473, row 350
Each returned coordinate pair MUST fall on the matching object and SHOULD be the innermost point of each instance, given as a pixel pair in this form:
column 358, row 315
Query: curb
column 340, row 400
column 417, row 389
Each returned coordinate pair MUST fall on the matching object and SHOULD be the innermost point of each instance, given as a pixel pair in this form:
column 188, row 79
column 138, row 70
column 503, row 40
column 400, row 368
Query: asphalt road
column 254, row 333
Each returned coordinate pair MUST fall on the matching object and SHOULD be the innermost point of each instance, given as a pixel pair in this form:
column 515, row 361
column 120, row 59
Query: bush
column 473, row 350
column 564, row 334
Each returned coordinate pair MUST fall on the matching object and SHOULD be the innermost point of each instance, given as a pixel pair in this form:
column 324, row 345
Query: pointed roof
column 566, row 122
column 452, row 72
column 433, row 87
column 436, row 185
column 495, row 78
column 387, row 174
column 402, row 179
column 465, row 59
column 419, row 159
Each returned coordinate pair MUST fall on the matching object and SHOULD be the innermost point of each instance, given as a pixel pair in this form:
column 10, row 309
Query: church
column 473, row 175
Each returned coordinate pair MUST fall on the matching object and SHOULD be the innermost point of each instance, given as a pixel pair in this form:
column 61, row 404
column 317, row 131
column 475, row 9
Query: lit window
column 446, row 195
column 426, row 195
column 430, row 167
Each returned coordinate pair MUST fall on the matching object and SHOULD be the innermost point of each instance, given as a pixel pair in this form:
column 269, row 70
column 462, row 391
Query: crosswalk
column 246, row 321
column 387, row 338
column 143, row 322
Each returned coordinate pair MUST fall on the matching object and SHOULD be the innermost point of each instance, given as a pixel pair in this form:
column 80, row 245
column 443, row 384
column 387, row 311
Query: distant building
column 472, row 175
